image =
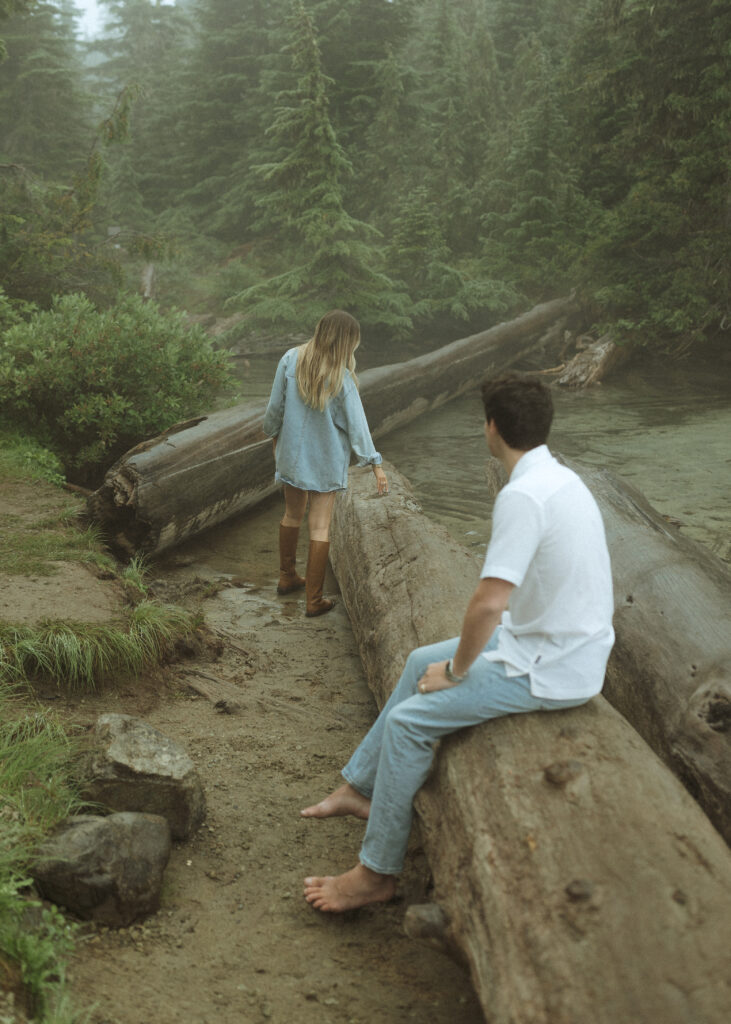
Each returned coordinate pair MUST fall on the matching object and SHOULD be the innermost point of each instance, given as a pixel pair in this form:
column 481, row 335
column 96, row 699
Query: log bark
column 578, row 876
column 670, row 670
column 592, row 364
column 202, row 472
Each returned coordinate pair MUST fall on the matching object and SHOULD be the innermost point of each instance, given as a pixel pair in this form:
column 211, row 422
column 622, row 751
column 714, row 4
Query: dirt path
column 234, row 940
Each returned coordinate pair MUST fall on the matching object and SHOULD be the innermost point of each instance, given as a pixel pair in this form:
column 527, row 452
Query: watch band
column 451, row 675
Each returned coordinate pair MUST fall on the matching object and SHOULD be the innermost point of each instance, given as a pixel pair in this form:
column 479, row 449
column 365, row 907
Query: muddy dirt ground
column 234, row 940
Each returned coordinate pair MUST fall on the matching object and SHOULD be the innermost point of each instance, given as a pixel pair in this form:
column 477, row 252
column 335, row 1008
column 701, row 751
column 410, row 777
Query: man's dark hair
column 521, row 407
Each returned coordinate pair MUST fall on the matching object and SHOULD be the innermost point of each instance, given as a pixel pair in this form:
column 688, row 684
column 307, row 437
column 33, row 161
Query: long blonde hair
column 323, row 360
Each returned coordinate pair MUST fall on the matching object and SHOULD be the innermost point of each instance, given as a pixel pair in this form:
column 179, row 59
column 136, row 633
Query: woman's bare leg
column 295, row 503
column 320, row 514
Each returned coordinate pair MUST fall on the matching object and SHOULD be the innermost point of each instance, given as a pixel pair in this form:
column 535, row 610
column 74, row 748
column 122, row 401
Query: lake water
column 665, row 429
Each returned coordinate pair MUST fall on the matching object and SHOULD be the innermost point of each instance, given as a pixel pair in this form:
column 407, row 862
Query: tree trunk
column 670, row 672
column 577, row 875
column 669, row 669
column 592, row 364
column 202, row 472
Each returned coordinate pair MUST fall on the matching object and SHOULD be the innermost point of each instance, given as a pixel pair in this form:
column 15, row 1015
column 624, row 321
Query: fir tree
column 537, row 213
column 8, row 8
column 460, row 101
column 226, row 105
column 384, row 171
column 143, row 48
column 301, row 201
column 658, row 263
column 44, row 113
column 355, row 36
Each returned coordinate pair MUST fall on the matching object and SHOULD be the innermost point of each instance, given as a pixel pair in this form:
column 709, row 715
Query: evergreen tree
column 227, row 103
column 44, row 114
column 538, row 213
column 383, row 171
column 48, row 245
column 301, row 202
column 355, row 36
column 8, row 8
column 142, row 50
column 460, row 101
column 658, row 263
column 443, row 291
column 511, row 23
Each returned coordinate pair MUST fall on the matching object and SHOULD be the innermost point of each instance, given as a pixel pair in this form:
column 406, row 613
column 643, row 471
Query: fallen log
column 204, row 471
column 592, row 364
column 577, row 875
column 670, row 670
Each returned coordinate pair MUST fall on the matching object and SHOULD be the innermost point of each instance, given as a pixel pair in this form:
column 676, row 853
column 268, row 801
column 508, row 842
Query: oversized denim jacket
column 313, row 447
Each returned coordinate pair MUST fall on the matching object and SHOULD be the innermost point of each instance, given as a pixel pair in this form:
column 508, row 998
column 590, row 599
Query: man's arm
column 482, row 618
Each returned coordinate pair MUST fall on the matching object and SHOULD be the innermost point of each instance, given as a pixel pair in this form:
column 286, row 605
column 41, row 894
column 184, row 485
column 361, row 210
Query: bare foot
column 356, row 888
column 344, row 800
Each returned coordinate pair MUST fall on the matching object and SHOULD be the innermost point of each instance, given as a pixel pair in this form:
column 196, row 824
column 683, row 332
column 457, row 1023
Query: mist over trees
column 428, row 164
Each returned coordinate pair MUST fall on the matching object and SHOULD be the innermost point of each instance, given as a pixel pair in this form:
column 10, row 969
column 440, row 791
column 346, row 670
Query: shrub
column 91, row 384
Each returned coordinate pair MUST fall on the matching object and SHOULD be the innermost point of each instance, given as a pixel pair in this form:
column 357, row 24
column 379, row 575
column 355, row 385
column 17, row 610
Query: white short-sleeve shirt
column 548, row 539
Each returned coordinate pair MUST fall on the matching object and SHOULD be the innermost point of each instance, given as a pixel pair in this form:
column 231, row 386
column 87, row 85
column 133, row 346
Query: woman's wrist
column 451, row 674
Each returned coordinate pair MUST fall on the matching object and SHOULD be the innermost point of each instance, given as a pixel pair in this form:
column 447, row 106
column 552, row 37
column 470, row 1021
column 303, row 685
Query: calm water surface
column 666, row 430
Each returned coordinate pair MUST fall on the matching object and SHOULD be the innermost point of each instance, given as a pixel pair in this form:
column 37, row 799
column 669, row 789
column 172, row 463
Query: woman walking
column 316, row 419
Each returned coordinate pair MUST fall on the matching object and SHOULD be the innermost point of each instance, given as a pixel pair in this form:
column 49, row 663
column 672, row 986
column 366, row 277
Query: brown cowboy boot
column 288, row 578
column 315, row 578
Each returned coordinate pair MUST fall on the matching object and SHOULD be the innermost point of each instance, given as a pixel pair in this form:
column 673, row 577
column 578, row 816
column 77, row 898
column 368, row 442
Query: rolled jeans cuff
column 396, row 870
column 365, row 791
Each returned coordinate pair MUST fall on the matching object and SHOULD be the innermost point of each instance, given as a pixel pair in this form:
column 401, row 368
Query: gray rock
column 133, row 767
column 105, row 869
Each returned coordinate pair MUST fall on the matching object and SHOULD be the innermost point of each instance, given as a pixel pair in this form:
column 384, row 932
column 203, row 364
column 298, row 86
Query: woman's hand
column 381, row 480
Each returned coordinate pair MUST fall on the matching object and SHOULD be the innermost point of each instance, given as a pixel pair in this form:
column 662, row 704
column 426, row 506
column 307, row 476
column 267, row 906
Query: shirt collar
column 532, row 458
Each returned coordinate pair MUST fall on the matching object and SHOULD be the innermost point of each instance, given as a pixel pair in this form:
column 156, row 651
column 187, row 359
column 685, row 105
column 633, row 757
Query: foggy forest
column 202, row 180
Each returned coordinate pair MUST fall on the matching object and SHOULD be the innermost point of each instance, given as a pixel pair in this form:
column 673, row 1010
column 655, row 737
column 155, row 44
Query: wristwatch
column 452, row 676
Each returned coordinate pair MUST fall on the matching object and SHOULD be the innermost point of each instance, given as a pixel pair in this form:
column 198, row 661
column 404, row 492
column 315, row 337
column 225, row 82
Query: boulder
column 133, row 767
column 108, row 870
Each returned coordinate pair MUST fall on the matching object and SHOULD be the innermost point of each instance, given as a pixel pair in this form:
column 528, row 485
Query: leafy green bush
column 90, row 384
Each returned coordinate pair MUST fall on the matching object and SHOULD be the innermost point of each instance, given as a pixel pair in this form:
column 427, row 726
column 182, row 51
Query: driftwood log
column 592, row 363
column 204, row 471
column 670, row 670
column 579, row 878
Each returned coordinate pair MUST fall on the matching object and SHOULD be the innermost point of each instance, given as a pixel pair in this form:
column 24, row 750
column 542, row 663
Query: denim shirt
column 313, row 447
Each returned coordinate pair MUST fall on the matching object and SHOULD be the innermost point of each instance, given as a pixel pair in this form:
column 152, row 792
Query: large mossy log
column 202, row 472
column 670, row 670
column 579, row 878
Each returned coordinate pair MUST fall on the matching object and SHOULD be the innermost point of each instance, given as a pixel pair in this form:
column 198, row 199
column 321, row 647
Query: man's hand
column 435, row 678
column 483, row 614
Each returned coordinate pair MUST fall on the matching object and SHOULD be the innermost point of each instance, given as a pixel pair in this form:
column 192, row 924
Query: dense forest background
column 426, row 164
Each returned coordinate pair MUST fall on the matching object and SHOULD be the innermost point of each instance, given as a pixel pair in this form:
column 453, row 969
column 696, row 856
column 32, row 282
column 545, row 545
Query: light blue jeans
column 393, row 760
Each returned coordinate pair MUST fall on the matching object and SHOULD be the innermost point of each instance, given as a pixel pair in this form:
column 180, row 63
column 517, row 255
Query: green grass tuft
column 36, row 793
column 79, row 656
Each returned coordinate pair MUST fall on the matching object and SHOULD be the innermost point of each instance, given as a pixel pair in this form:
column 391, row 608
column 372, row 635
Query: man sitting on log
column 548, row 560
